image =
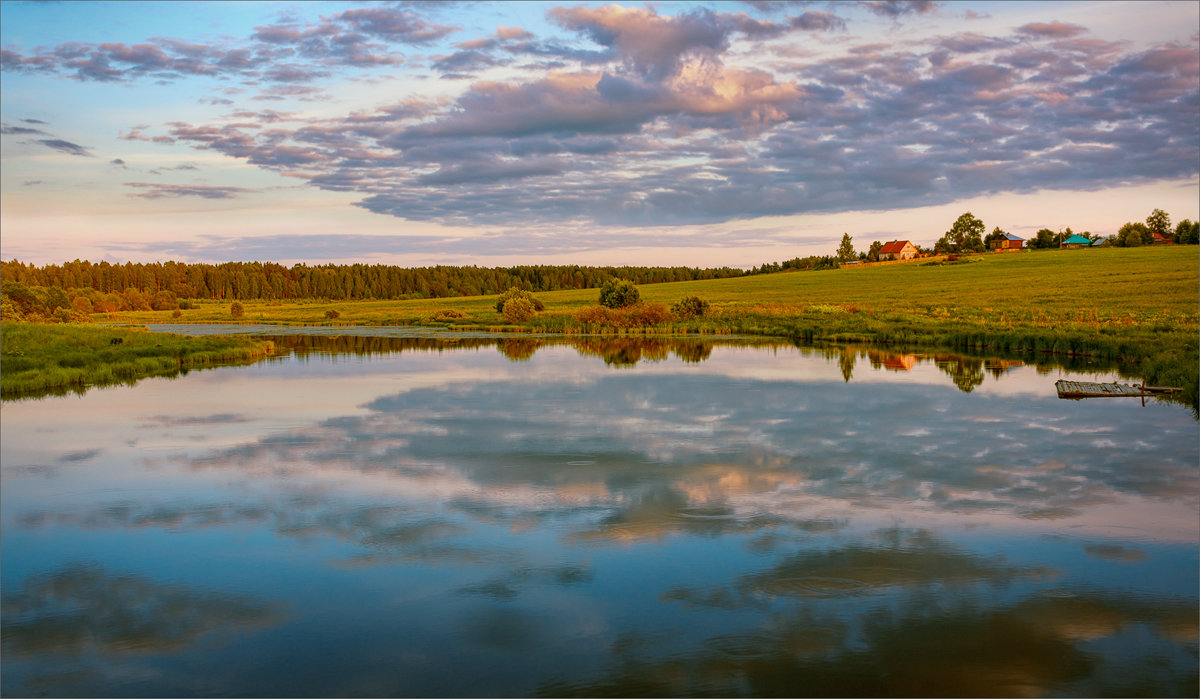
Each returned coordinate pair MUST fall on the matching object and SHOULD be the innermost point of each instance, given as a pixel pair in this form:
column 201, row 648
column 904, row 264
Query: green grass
column 1135, row 306
column 40, row 359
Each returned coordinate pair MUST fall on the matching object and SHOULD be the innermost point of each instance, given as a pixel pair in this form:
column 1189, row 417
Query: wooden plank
column 1085, row 389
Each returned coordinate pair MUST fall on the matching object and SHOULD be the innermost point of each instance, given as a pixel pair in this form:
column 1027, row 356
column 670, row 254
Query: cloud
column 171, row 191
column 345, row 41
column 19, row 130
column 66, row 147
column 838, row 136
column 648, row 118
column 394, row 24
column 899, row 8
column 1051, row 30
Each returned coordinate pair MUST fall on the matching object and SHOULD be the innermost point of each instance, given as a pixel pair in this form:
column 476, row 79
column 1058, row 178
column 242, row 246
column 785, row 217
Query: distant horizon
column 694, row 134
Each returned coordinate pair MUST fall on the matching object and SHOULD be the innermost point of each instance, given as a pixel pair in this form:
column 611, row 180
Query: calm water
column 374, row 516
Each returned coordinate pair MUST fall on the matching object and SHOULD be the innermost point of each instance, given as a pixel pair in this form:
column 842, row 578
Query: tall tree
column 1044, row 238
column 1133, row 235
column 1159, row 222
column 845, row 251
column 1187, row 232
column 966, row 235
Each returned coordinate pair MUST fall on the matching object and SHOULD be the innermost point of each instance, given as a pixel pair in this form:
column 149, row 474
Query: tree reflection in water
column 967, row 371
column 925, row 646
column 85, row 609
column 475, row 526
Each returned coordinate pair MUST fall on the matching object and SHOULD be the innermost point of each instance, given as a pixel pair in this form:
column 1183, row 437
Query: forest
column 233, row 281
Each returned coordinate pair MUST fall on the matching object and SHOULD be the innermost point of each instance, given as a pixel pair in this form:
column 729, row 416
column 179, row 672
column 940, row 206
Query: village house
column 1160, row 239
column 898, row 250
column 1008, row 242
column 1076, row 241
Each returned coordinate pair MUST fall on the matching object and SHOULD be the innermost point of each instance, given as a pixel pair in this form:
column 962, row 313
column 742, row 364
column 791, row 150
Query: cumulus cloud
column 355, row 38
column 652, row 118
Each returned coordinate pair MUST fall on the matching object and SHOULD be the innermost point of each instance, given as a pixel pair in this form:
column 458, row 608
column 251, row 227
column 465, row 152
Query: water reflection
column 708, row 519
column 615, row 351
column 84, row 626
column 927, row 646
column 86, row 609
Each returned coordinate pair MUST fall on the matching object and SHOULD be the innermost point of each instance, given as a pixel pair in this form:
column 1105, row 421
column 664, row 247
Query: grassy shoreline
column 1135, row 307
column 39, row 359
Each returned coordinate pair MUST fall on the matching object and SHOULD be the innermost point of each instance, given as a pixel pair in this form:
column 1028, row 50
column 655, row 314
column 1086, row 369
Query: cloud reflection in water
column 673, row 528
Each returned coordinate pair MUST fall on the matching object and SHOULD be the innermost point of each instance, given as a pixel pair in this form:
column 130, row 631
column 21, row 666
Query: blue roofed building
column 1008, row 242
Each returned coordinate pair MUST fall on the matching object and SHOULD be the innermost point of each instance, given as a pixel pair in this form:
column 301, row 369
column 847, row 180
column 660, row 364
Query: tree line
column 74, row 290
column 234, row 281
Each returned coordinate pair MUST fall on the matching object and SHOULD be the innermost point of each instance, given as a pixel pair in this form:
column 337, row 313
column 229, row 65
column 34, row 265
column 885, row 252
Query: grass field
column 40, row 359
column 1121, row 286
column 1136, row 306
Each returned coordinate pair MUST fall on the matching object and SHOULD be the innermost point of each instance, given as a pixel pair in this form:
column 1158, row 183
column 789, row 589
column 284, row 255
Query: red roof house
column 897, row 250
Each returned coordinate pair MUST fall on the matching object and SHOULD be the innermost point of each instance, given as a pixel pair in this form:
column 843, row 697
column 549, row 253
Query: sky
column 500, row 133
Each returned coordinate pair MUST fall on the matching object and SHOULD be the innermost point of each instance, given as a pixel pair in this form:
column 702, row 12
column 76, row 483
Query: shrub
column 592, row 315
column 647, row 314
column 446, row 314
column 331, row 314
column 10, row 311
column 236, row 310
column 619, row 293
column 690, row 307
column 177, row 313
column 185, row 304
column 518, row 309
column 639, row 315
column 515, row 293
column 164, row 301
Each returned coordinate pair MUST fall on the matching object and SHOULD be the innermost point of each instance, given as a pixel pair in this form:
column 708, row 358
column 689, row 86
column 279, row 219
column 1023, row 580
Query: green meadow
column 1134, row 306
column 40, row 359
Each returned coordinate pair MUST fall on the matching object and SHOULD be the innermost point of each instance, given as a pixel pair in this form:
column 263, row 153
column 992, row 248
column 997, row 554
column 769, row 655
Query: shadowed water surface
column 375, row 516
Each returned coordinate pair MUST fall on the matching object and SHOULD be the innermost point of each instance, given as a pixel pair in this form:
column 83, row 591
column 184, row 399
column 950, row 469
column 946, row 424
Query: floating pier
column 1084, row 389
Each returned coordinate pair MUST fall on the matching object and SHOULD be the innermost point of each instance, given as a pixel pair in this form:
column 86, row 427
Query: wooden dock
column 1084, row 389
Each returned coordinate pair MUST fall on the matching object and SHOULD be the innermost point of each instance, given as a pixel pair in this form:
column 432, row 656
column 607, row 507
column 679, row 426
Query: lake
column 382, row 515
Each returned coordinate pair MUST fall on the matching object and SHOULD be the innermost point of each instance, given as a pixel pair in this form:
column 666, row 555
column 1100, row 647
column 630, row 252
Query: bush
column 592, row 315
column 236, row 310
column 518, row 309
column 185, row 304
column 639, row 315
column 619, row 293
column 331, row 314
column 82, row 305
column 515, row 293
column 446, row 314
column 690, row 307
column 10, row 311
column 164, row 301
column 647, row 314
